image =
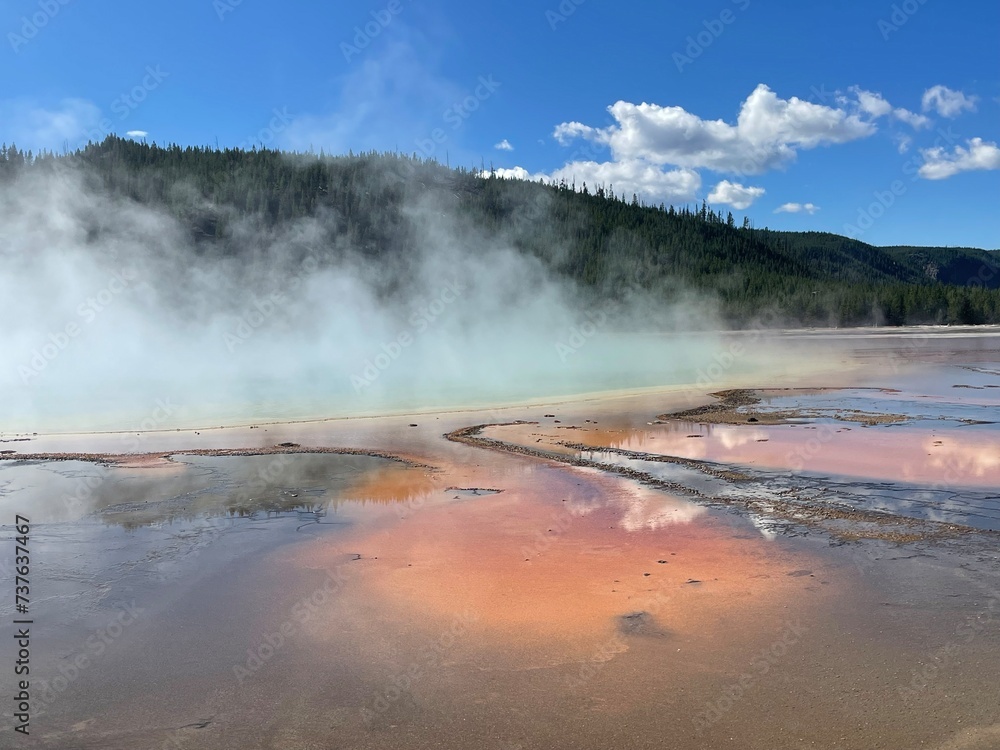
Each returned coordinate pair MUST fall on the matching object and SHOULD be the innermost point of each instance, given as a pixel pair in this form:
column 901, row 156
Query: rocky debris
column 113, row 459
column 797, row 512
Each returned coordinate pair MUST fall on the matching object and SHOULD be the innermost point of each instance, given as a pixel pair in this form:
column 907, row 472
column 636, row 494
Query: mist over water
column 116, row 318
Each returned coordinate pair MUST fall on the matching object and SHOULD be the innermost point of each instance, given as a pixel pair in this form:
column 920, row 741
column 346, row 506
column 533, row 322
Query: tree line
column 603, row 241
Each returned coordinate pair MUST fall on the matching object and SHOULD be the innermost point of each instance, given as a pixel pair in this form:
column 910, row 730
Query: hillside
column 368, row 203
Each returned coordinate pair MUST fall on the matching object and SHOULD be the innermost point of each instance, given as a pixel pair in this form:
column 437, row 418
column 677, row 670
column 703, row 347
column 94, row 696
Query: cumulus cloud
column 797, row 208
column 912, row 119
column 567, row 131
column 137, row 133
column 518, row 173
column 633, row 176
column 768, row 133
column 946, row 102
column 940, row 164
column 655, row 150
column 636, row 176
column 504, row 145
column 735, row 195
column 875, row 106
column 872, row 103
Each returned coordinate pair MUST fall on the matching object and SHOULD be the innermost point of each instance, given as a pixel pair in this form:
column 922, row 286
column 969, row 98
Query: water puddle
column 95, row 527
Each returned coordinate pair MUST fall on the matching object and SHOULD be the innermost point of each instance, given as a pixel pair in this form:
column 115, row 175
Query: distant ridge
column 364, row 204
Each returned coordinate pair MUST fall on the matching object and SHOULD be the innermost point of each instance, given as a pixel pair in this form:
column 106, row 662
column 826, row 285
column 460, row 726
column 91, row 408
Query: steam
column 114, row 318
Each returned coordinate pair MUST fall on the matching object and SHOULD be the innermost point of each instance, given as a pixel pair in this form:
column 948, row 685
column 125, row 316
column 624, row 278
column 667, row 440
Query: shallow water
column 953, row 393
column 506, row 601
column 604, row 362
column 939, row 462
column 106, row 542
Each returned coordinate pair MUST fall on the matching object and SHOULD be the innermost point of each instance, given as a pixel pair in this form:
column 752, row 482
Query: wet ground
column 795, row 454
column 604, row 576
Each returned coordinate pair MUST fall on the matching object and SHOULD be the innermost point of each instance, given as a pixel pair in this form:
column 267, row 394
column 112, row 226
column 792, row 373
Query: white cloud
column 768, row 133
column 940, row 164
column 911, row 118
column 872, row 103
column 137, row 133
column 567, row 131
column 635, row 176
column 32, row 126
column 504, row 145
column 734, row 194
column 518, row 173
column 656, row 149
column 796, row 208
column 946, row 102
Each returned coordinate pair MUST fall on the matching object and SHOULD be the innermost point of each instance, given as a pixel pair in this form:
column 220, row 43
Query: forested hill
column 587, row 233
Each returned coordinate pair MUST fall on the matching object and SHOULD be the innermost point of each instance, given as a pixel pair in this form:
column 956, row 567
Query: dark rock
column 642, row 624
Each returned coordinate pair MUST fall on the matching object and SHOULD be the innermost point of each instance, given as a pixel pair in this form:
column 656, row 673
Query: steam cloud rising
column 114, row 318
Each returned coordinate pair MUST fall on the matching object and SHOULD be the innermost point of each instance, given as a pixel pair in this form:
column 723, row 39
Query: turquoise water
column 409, row 383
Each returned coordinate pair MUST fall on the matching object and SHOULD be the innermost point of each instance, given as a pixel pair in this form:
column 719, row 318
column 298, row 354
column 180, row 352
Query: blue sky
column 876, row 119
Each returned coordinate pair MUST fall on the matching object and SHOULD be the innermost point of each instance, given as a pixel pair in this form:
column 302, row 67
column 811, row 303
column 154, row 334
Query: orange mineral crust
column 564, row 556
